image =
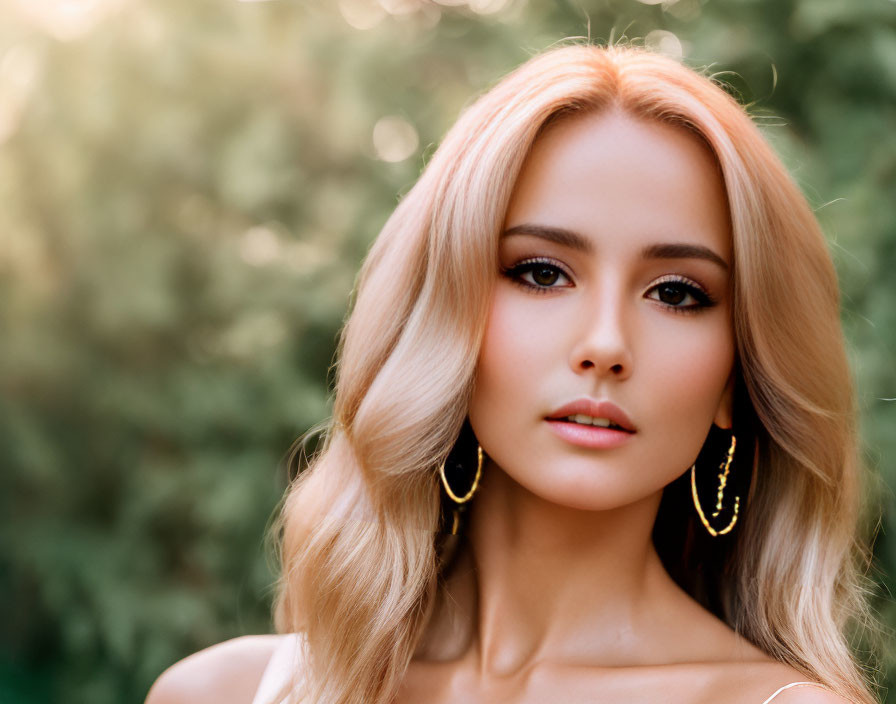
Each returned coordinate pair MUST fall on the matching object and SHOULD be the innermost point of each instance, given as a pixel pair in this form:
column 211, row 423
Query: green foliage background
column 186, row 192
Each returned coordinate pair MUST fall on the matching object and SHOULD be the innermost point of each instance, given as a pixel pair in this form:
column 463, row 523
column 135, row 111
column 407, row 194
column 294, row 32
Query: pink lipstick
column 592, row 424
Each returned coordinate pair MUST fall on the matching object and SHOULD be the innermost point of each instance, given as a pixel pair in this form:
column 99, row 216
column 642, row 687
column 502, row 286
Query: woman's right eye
column 538, row 276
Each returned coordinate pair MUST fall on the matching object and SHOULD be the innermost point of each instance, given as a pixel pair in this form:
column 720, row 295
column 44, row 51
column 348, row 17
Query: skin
column 559, row 595
column 561, row 590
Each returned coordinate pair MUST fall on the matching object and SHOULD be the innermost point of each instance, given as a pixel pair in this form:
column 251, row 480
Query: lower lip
column 589, row 435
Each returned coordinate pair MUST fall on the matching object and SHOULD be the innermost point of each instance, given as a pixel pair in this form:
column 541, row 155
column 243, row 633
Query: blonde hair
column 358, row 530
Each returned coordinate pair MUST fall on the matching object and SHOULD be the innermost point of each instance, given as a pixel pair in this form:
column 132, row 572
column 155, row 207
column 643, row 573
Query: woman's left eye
column 676, row 294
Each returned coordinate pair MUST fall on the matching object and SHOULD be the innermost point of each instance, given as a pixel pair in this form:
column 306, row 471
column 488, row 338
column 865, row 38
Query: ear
column 723, row 418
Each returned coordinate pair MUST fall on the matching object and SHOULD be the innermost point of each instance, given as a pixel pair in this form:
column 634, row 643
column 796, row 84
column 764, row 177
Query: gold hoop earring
column 466, row 497
column 460, row 500
column 725, row 466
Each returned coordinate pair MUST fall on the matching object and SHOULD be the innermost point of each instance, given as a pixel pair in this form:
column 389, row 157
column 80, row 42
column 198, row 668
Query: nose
column 601, row 345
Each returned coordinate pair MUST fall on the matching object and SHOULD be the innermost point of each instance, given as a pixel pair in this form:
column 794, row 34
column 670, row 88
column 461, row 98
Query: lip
column 590, row 436
column 595, row 409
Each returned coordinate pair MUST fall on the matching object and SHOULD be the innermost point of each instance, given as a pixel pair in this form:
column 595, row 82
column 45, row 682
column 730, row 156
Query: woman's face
column 614, row 286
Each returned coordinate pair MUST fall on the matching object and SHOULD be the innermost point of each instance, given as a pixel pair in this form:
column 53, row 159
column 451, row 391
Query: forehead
column 624, row 183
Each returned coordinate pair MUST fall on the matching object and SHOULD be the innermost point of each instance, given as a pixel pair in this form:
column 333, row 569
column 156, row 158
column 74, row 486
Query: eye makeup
column 539, row 274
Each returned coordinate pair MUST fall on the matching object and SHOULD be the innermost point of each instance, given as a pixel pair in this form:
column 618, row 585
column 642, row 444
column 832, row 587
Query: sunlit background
column 187, row 188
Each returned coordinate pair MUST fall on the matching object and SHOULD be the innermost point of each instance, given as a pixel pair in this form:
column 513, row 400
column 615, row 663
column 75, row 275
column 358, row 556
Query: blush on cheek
column 513, row 360
column 694, row 373
column 519, row 336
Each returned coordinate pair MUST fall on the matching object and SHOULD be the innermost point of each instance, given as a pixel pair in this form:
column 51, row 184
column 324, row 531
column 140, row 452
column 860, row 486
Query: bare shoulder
column 783, row 684
column 806, row 694
column 225, row 673
column 763, row 681
column 740, row 672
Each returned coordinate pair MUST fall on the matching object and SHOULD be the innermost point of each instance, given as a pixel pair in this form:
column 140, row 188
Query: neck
column 542, row 581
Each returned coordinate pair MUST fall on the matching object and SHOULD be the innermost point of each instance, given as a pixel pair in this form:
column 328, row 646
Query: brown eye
column 538, row 276
column 545, row 275
column 681, row 296
column 671, row 293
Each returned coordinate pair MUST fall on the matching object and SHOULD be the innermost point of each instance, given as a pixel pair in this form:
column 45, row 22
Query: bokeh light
column 361, row 14
column 394, row 138
column 664, row 42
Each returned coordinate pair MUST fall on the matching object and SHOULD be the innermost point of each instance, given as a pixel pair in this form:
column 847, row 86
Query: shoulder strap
column 284, row 665
column 795, row 684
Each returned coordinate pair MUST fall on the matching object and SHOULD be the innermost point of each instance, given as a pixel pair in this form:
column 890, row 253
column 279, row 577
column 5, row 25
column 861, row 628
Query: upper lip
column 595, row 409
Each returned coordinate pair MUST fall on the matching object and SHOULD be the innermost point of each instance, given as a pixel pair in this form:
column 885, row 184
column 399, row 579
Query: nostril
column 616, row 368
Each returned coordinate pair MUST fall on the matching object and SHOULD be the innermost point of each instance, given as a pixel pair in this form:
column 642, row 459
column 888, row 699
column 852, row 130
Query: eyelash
column 704, row 298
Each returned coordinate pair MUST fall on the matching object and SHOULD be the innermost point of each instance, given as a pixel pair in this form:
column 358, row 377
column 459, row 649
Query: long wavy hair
column 359, row 530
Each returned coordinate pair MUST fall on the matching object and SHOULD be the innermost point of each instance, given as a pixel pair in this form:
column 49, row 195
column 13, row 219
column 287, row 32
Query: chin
column 581, row 490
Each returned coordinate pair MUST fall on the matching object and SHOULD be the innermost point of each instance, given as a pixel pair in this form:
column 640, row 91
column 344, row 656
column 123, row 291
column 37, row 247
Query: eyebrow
column 660, row 250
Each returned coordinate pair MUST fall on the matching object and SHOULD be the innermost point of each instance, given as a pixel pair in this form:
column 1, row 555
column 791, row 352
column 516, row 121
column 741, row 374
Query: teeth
column 588, row 420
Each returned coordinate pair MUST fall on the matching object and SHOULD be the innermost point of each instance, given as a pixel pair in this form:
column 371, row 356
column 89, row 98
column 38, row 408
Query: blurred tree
column 188, row 190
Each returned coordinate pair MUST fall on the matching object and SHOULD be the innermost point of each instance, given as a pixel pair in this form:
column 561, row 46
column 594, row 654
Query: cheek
column 520, row 346
column 687, row 367
column 683, row 374
column 518, row 350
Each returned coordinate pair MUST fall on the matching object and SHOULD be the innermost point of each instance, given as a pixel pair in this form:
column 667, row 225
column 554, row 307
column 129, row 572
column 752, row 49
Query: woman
column 594, row 432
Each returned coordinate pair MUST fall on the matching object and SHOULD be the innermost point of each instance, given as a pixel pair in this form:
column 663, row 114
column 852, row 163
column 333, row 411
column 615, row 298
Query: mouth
column 591, row 424
column 600, row 437
column 581, row 419
column 588, row 412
